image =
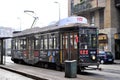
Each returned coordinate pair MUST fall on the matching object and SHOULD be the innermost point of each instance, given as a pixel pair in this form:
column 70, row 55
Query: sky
column 12, row 12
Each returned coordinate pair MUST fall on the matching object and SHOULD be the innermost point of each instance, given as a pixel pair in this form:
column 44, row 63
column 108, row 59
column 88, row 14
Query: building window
column 101, row 18
column 92, row 19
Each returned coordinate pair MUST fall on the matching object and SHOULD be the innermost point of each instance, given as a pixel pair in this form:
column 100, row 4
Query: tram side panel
column 57, row 47
column 49, row 47
column 16, row 53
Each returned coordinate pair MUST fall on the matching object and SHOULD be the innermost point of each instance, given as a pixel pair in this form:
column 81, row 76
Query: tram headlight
column 93, row 57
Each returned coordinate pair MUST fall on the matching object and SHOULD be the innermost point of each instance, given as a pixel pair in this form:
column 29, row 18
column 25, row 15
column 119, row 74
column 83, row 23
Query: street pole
column 20, row 22
column 2, row 52
column 58, row 8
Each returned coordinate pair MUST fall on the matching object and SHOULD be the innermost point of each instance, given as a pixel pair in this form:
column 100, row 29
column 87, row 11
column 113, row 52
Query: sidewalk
column 117, row 61
column 43, row 74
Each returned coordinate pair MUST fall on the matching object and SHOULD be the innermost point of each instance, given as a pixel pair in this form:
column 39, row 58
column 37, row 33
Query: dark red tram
column 54, row 44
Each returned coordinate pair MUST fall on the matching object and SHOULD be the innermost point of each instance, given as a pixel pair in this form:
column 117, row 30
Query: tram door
column 69, row 46
column 30, row 48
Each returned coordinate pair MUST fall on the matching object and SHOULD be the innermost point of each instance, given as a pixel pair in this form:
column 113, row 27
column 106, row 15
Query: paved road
column 109, row 72
column 7, row 75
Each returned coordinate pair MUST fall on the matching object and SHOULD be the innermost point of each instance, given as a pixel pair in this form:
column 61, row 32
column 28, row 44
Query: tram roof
column 47, row 28
column 34, row 30
column 64, row 23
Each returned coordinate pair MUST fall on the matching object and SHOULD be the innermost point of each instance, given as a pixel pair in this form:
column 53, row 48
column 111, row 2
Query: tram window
column 41, row 46
column 32, row 44
column 25, row 44
column 18, row 44
column 83, row 41
column 36, row 44
column 21, row 45
column 83, row 38
column 88, row 40
column 50, row 42
column 45, row 43
column 75, row 43
column 41, row 42
column 71, row 40
column 66, row 43
column 55, row 43
column 93, row 40
column 14, row 44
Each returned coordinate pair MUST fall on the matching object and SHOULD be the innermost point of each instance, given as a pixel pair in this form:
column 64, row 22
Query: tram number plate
column 109, row 59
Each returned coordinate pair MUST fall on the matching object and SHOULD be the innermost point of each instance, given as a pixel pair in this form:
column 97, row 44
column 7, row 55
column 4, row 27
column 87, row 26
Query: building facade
column 105, row 14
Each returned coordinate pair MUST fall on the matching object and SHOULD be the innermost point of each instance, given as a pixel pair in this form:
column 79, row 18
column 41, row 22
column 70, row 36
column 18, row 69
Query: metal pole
column 59, row 11
column 59, row 8
column 1, row 51
column 35, row 18
column 19, row 22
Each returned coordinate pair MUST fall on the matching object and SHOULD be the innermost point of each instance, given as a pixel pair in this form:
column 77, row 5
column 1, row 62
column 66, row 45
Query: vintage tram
column 69, row 39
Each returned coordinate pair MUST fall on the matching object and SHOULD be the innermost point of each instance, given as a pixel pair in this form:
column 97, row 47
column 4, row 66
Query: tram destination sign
column 73, row 20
